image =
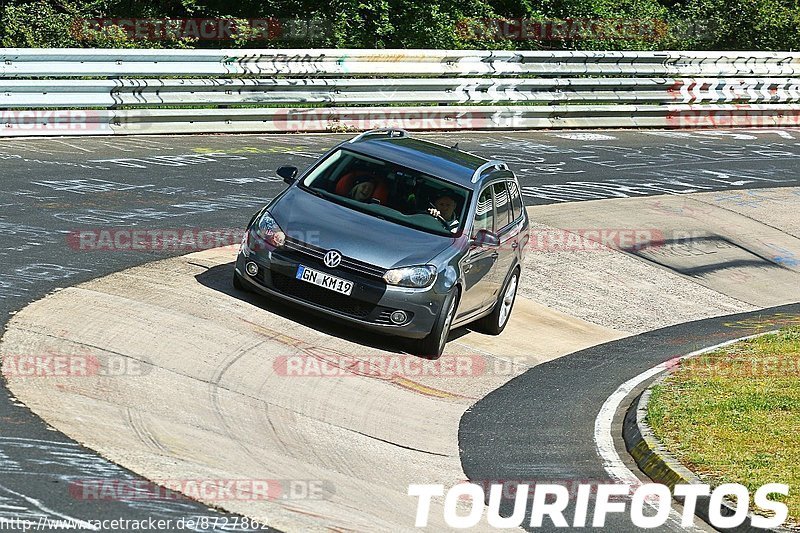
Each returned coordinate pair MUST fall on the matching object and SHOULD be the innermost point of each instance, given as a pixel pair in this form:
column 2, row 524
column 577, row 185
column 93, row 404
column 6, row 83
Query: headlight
column 416, row 276
column 268, row 230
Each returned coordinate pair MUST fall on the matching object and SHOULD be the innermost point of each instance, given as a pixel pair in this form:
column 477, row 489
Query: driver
column 444, row 209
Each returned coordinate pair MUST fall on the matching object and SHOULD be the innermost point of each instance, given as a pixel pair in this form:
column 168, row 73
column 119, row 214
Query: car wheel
column 433, row 345
column 237, row 283
column 495, row 322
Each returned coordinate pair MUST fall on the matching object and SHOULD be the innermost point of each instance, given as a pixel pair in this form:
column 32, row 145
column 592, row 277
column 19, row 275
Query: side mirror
column 288, row 174
column 485, row 238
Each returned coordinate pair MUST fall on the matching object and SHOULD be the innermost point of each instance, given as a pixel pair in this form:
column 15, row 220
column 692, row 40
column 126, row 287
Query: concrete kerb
column 662, row 467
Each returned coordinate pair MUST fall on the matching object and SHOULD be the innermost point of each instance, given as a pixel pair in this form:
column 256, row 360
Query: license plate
column 321, row 279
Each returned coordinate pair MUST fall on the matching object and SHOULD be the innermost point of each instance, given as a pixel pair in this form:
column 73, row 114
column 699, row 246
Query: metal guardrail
column 341, row 119
column 17, row 62
column 343, row 91
column 45, row 91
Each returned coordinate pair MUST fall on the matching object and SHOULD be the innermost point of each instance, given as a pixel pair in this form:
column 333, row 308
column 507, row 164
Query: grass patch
column 733, row 415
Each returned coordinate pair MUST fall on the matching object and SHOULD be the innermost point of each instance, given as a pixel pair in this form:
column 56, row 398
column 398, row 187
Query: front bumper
column 369, row 306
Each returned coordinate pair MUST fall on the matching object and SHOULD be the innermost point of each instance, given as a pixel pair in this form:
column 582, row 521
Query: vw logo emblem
column 332, row 259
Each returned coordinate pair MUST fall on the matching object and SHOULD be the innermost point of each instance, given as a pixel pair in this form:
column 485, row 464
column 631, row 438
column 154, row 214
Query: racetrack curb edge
column 662, row 467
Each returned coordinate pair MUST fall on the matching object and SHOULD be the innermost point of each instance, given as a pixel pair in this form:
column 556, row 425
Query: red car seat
column 345, row 183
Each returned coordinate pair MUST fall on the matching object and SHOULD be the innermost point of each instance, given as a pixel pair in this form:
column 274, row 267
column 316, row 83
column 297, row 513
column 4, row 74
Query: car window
column 484, row 212
column 390, row 191
column 502, row 206
column 516, row 199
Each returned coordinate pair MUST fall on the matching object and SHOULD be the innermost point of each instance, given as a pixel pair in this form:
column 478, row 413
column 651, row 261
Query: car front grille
column 305, row 249
column 322, row 297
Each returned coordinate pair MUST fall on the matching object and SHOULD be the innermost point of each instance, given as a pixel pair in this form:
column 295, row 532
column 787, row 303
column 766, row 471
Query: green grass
column 733, row 415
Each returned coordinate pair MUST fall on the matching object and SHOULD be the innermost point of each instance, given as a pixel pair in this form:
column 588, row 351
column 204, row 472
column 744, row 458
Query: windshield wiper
column 315, row 192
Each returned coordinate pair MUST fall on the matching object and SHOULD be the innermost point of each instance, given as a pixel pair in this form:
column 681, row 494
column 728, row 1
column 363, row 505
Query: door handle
column 467, row 268
column 494, row 255
column 514, row 245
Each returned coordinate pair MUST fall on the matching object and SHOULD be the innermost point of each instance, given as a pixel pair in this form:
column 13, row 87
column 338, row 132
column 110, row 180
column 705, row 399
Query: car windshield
column 390, row 191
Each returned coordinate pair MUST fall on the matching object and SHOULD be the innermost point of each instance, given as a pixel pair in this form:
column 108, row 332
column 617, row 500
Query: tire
column 237, row 283
column 495, row 322
column 433, row 345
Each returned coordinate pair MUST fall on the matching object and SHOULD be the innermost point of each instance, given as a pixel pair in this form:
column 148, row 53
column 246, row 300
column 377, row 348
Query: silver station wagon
column 394, row 234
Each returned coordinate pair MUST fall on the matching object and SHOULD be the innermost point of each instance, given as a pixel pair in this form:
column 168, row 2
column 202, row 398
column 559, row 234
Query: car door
column 478, row 264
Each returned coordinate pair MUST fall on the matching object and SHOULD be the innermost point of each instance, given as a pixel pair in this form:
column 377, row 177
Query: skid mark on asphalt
column 140, row 429
column 215, row 385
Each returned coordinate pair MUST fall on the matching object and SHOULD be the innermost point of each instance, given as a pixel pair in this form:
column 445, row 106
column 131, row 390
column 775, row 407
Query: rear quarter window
column 516, row 199
column 502, row 205
column 484, row 212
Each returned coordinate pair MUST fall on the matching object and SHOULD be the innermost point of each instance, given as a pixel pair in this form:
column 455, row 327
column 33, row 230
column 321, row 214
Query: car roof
column 428, row 157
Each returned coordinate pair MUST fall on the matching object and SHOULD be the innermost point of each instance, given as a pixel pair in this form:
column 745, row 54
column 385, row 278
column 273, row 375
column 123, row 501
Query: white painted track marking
column 39, row 505
column 604, row 439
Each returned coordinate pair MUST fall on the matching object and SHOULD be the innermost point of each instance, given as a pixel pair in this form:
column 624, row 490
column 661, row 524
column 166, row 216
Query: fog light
column 398, row 317
column 252, row 269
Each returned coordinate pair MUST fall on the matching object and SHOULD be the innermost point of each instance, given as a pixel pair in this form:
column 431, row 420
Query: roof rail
column 497, row 165
column 390, row 132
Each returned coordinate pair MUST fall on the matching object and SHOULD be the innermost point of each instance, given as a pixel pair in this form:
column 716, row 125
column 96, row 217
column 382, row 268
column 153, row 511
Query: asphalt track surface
column 540, row 425
column 51, row 187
